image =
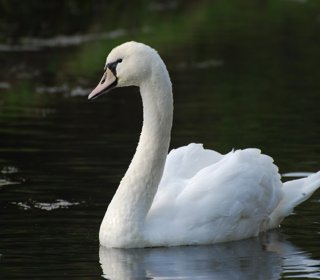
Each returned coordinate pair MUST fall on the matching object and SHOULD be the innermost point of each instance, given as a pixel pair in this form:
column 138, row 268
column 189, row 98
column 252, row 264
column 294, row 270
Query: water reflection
column 267, row 257
column 7, row 176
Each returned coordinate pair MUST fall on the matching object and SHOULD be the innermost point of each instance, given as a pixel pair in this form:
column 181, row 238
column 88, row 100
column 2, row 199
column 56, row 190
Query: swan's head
column 127, row 65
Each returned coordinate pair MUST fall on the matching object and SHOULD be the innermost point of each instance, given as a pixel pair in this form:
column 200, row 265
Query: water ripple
column 57, row 204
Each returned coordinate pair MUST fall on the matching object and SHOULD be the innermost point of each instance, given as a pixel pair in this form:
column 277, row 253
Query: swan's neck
column 128, row 209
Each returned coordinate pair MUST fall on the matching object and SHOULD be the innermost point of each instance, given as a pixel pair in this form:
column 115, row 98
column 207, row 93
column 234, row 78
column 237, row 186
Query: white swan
column 192, row 195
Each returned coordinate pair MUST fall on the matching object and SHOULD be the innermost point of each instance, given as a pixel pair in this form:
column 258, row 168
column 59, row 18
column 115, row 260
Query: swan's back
column 223, row 198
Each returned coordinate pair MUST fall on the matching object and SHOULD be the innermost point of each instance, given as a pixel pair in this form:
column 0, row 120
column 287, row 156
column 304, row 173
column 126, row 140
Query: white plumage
column 202, row 193
column 192, row 195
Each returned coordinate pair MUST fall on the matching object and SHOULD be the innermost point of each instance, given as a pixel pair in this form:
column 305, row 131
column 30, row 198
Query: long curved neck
column 133, row 199
column 145, row 171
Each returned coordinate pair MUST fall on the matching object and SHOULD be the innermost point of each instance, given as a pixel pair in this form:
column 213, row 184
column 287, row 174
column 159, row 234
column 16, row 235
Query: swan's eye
column 113, row 65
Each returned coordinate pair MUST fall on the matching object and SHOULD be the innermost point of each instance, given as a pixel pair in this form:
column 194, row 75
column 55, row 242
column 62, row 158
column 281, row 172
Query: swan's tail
column 295, row 192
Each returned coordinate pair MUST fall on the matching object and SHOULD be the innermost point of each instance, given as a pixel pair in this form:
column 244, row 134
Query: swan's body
column 192, row 195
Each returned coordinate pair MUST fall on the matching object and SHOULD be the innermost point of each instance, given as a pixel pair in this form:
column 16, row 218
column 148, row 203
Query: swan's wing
column 243, row 182
column 186, row 161
column 226, row 200
column 182, row 164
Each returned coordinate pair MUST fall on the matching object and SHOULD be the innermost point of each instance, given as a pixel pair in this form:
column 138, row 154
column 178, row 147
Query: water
column 246, row 80
column 268, row 258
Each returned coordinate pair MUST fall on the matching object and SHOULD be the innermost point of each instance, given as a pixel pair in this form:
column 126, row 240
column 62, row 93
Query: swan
column 192, row 195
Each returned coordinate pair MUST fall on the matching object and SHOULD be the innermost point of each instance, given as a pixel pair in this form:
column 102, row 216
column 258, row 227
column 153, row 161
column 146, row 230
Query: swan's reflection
column 264, row 258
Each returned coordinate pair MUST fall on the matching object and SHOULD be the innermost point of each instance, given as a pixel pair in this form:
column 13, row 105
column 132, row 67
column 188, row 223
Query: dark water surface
column 244, row 75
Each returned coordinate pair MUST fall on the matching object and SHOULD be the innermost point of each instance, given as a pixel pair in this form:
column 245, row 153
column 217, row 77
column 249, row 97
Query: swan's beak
column 108, row 81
